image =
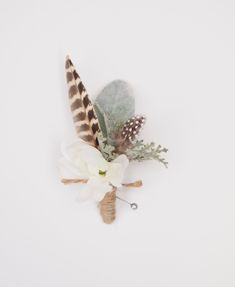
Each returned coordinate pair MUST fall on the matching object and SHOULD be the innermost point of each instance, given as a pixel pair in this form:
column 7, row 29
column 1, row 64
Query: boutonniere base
column 108, row 204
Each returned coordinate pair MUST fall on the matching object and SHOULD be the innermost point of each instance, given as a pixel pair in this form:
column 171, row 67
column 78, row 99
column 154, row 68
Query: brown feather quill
column 84, row 116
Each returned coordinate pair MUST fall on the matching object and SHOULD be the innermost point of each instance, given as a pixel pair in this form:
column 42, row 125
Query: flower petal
column 86, row 158
column 99, row 188
column 123, row 160
column 94, row 160
column 85, row 193
column 68, row 170
column 81, row 160
column 116, row 170
column 71, row 153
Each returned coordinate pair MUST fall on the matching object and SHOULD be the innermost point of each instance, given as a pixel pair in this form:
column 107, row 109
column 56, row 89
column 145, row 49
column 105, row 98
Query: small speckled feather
column 132, row 128
column 84, row 116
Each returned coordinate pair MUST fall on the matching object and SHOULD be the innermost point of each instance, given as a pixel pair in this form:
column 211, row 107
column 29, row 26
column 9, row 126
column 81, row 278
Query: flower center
column 102, row 172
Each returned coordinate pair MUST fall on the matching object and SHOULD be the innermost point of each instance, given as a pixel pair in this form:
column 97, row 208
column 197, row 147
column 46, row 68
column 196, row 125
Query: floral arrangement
column 108, row 132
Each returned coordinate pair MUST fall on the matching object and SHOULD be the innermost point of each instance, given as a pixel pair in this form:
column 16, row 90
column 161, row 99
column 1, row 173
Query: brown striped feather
column 84, row 116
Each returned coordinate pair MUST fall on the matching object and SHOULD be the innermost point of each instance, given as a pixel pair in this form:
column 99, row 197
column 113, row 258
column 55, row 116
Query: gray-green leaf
column 114, row 106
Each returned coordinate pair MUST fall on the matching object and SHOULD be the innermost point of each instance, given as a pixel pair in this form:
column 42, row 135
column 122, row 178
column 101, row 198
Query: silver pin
column 133, row 205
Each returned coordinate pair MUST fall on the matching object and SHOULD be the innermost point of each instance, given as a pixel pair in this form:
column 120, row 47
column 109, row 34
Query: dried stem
column 137, row 183
column 75, row 180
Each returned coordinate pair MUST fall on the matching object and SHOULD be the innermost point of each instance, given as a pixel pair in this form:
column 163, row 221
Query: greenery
column 107, row 150
column 102, row 119
column 141, row 151
column 114, row 106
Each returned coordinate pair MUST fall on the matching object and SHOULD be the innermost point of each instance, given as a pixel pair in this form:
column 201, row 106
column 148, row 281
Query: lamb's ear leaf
column 115, row 105
column 101, row 118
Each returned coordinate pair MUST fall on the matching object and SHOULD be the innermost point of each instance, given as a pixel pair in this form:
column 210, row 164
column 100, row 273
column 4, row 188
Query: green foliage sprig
column 107, row 150
column 141, row 151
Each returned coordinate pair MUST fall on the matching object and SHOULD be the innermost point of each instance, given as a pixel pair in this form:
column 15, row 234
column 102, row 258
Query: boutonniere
column 108, row 132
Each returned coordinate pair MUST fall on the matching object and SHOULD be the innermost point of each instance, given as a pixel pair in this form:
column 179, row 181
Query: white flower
column 83, row 161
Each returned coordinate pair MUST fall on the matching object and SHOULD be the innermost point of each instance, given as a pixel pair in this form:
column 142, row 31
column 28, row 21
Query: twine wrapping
column 137, row 183
column 108, row 206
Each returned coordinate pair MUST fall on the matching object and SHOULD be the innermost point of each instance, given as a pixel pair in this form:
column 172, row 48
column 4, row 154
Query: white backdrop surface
column 179, row 57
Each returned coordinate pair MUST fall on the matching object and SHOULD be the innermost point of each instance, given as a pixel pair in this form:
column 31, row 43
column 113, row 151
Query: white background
column 179, row 57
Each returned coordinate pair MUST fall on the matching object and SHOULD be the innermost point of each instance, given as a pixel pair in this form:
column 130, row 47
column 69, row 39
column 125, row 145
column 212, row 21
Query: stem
column 137, row 183
column 69, row 181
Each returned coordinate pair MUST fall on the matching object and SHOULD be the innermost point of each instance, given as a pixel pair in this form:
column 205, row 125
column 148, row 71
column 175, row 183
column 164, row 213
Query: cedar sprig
column 141, row 151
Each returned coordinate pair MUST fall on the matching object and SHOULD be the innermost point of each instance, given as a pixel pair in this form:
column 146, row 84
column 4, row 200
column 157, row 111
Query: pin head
column 134, row 206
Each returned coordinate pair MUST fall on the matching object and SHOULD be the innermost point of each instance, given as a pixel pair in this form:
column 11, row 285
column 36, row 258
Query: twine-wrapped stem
column 108, row 204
